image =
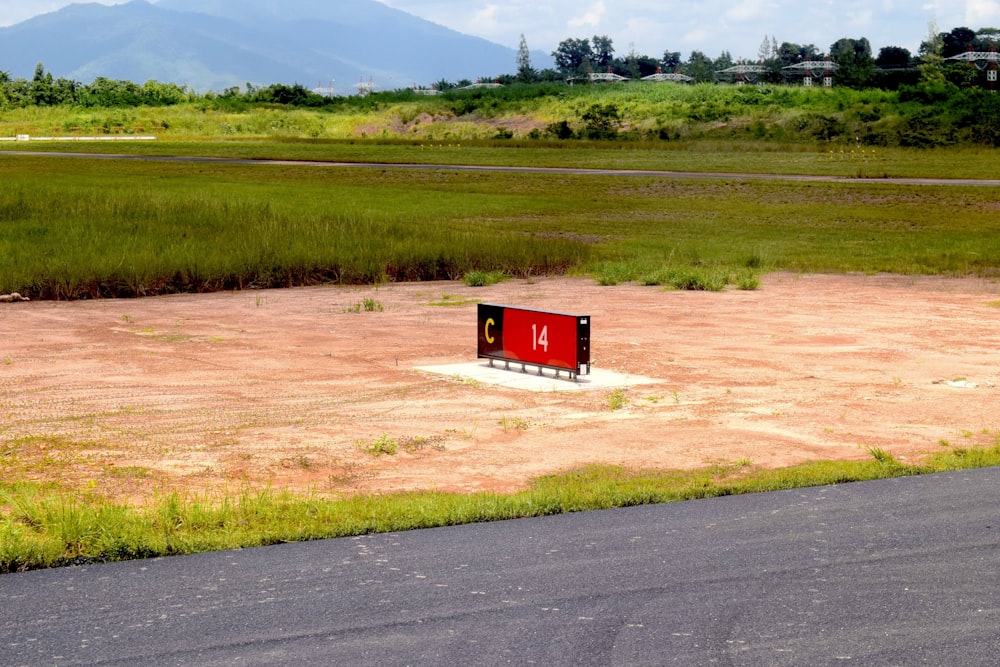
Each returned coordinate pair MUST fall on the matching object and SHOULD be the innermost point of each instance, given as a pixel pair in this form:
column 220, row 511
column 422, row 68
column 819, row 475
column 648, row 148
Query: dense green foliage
column 927, row 114
column 893, row 99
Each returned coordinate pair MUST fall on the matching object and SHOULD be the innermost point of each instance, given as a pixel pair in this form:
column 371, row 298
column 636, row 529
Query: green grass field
column 81, row 228
column 84, row 228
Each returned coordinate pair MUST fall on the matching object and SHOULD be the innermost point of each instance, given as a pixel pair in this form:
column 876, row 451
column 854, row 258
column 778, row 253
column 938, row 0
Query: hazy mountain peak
column 215, row 44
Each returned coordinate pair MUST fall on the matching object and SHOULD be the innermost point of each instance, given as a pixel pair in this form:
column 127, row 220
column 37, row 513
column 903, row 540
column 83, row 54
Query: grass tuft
column 483, row 278
column 747, row 280
column 610, row 274
column 688, row 278
column 384, row 444
column 617, row 399
column 367, row 305
column 882, row 456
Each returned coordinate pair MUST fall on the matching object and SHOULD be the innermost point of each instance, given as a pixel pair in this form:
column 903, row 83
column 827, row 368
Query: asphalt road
column 896, row 572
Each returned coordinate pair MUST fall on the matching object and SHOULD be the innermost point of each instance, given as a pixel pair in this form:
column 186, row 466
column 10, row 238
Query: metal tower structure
column 599, row 77
column 482, row 84
column 676, row 77
column 741, row 74
column 808, row 70
column 982, row 60
column 365, row 88
column 325, row 91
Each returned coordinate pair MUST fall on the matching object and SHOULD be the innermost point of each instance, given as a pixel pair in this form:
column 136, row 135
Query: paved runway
column 896, row 572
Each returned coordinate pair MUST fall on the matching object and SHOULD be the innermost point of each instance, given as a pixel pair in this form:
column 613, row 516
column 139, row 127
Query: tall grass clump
column 747, row 280
column 612, row 273
column 688, row 278
column 145, row 242
column 479, row 278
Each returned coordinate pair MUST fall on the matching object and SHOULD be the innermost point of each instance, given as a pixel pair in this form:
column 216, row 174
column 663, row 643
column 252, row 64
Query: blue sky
column 652, row 26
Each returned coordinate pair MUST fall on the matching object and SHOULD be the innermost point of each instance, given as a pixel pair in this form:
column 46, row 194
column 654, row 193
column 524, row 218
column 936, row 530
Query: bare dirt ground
column 287, row 388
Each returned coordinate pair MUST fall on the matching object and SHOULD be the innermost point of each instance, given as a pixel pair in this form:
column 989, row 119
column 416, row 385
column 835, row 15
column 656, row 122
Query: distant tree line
column 45, row 90
column 857, row 66
column 893, row 68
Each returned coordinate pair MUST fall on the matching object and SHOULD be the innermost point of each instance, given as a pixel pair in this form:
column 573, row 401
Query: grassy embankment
column 927, row 115
column 779, row 129
column 73, row 229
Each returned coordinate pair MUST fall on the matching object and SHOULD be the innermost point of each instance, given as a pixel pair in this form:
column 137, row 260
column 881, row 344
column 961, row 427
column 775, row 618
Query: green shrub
column 694, row 280
column 382, row 445
column 747, row 280
column 617, row 399
column 479, row 278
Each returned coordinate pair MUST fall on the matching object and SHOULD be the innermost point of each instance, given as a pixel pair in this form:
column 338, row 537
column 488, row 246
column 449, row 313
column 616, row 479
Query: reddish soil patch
column 286, row 388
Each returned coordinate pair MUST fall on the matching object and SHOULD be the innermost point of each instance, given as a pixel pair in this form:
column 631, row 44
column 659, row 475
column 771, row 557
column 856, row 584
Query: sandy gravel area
column 290, row 389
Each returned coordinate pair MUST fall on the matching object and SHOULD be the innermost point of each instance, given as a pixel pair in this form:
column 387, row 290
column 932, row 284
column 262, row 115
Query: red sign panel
column 537, row 337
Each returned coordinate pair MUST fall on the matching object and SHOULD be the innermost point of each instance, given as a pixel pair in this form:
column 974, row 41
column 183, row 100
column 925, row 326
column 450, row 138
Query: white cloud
column 662, row 35
column 982, row 13
column 710, row 26
column 485, row 19
column 15, row 11
column 696, row 39
column 860, row 20
column 591, row 18
column 749, row 10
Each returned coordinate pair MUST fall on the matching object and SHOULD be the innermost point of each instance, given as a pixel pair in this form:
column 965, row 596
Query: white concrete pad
column 530, row 380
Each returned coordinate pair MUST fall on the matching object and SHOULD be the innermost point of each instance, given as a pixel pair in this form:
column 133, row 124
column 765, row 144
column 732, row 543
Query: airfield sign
column 538, row 338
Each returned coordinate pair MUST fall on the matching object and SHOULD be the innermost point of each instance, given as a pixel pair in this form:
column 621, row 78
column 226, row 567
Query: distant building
column 983, row 60
column 741, row 74
column 676, row 77
column 325, row 91
column 481, row 84
column 365, row 88
column 598, row 77
column 809, row 69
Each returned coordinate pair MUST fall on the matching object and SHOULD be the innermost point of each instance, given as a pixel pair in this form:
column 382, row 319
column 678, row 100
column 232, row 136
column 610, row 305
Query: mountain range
column 217, row 44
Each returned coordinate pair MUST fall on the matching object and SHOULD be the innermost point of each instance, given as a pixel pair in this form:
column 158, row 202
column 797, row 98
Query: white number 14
column 540, row 338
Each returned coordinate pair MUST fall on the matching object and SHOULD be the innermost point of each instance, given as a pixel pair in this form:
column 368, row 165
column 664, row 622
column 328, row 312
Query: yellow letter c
column 489, row 338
